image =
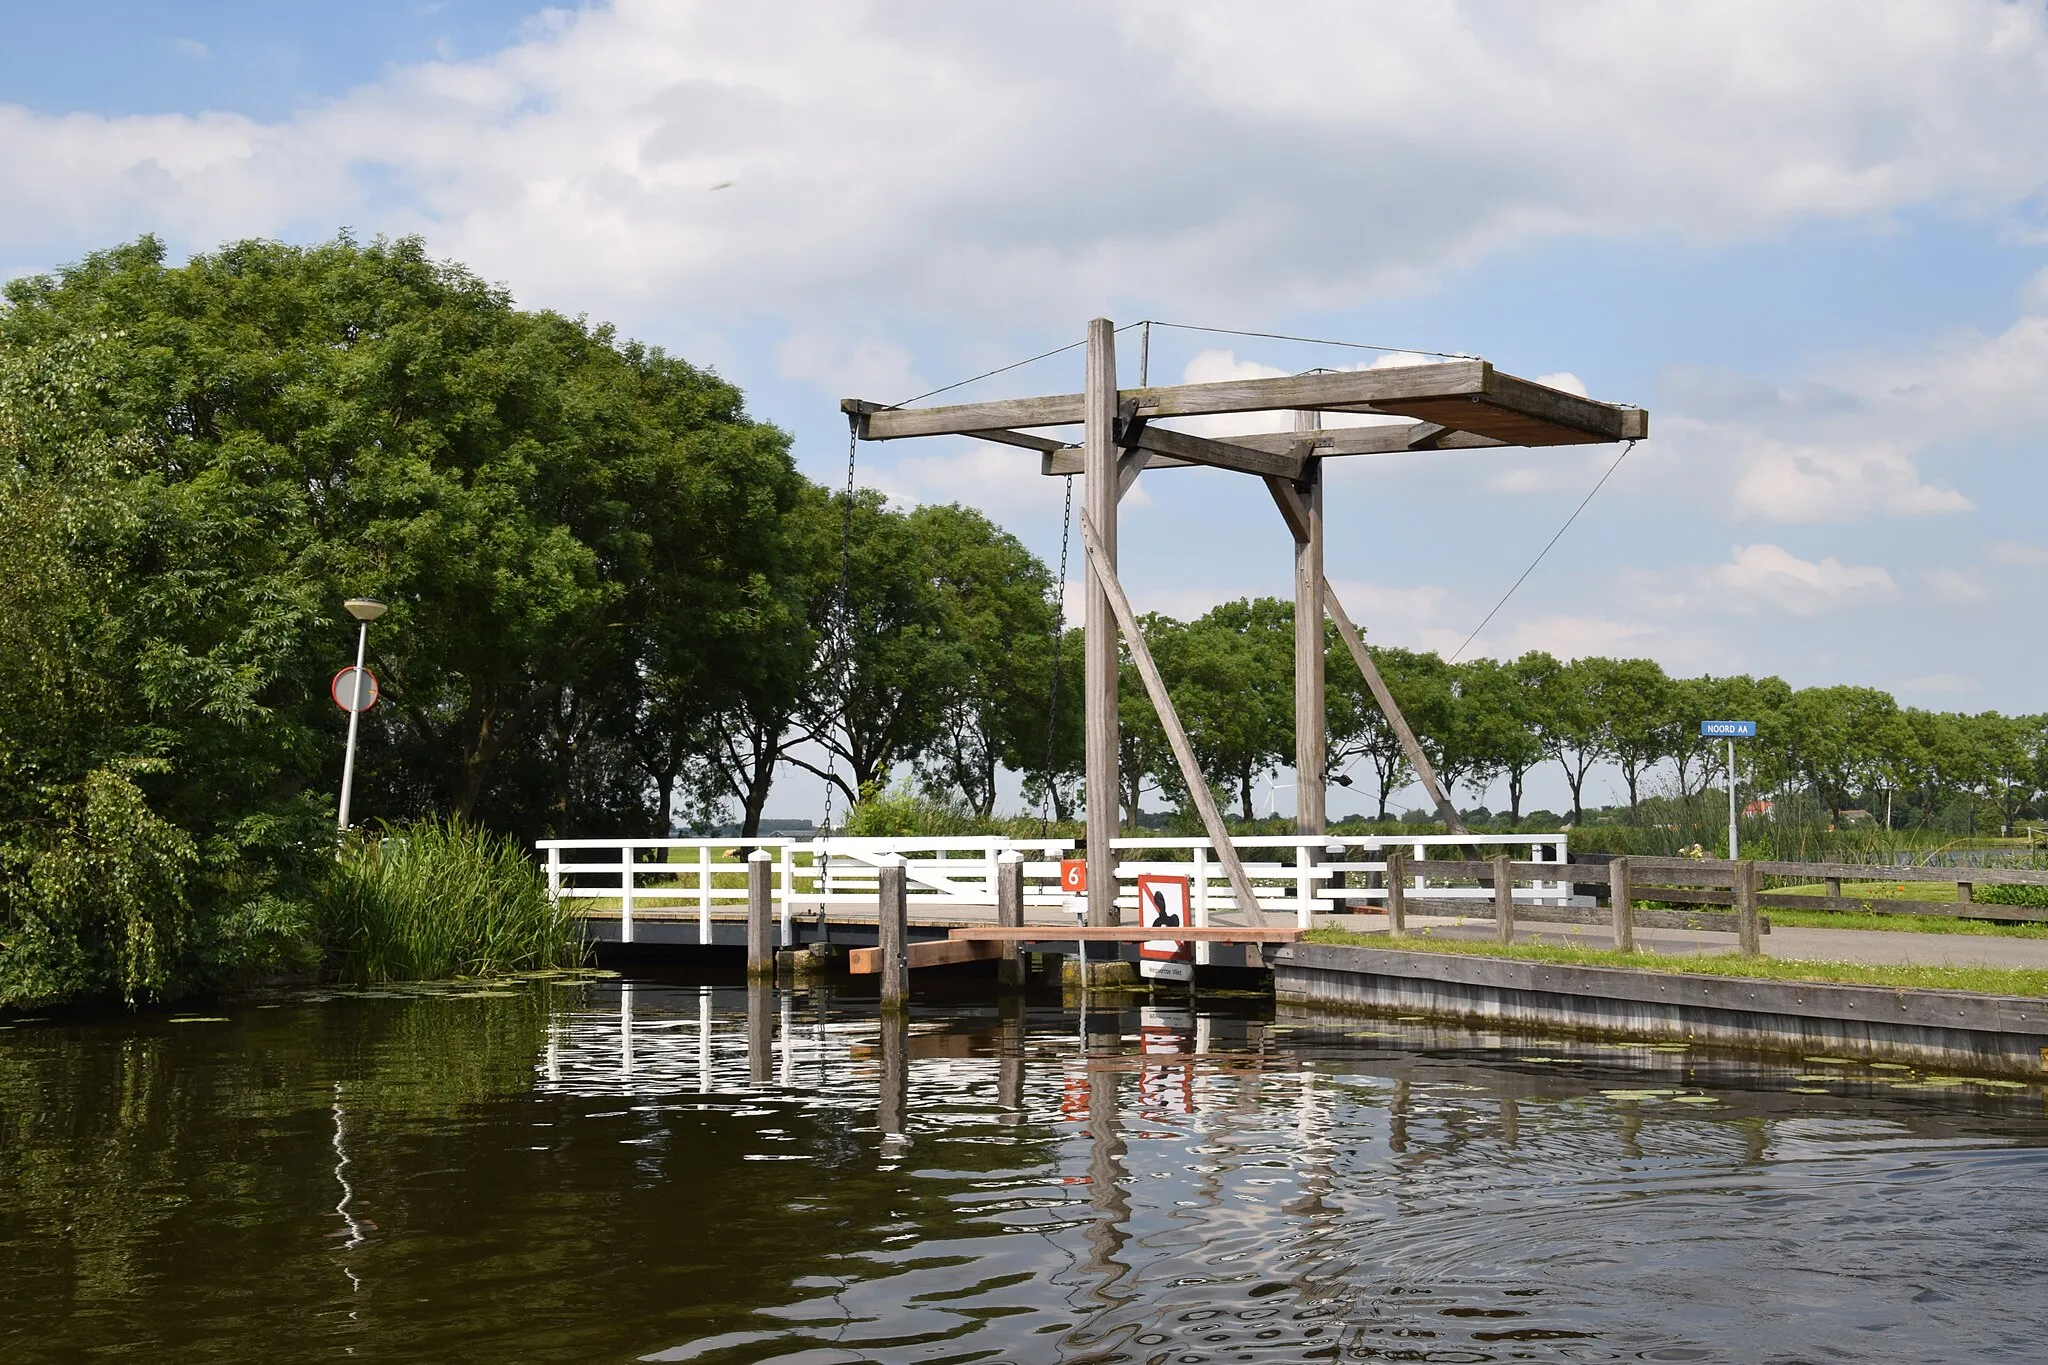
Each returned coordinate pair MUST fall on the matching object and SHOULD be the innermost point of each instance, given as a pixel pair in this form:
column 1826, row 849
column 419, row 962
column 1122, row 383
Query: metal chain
column 842, row 637
column 1059, row 635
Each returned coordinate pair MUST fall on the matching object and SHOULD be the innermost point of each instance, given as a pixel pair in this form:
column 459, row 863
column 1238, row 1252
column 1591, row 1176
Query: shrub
column 1999, row 894
column 434, row 899
column 903, row 811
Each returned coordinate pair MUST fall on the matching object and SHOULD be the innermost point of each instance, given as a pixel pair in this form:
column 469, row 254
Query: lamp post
column 359, row 697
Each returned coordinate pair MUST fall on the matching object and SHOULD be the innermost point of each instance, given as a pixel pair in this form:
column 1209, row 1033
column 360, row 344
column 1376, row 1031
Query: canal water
column 589, row 1169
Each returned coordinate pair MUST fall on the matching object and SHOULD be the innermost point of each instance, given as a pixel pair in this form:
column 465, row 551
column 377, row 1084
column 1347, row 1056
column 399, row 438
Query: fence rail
column 1299, row 875
column 1290, row 874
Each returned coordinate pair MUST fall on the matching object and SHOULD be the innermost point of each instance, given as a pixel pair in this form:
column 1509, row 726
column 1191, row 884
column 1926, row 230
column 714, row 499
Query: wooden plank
column 1201, row 450
column 1293, row 508
column 1409, row 744
column 1126, row 933
column 1525, row 872
column 1382, row 440
column 1176, row 737
column 2009, row 914
column 939, row 952
column 1100, row 665
column 1128, row 466
column 1870, row 872
column 1705, row 921
column 1047, row 445
column 1465, row 395
column 1311, row 721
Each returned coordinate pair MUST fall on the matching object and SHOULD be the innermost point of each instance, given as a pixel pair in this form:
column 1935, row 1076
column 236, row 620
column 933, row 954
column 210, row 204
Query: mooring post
column 893, row 1100
column 1010, row 915
column 1397, row 893
column 893, row 936
column 760, row 1029
column 1748, row 929
column 1101, row 664
column 1620, row 895
column 1503, row 899
column 760, row 914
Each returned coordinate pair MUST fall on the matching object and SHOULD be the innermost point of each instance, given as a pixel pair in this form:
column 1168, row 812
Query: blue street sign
column 1728, row 729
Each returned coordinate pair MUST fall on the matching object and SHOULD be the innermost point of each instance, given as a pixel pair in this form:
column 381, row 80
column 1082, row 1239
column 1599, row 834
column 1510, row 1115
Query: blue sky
column 1809, row 238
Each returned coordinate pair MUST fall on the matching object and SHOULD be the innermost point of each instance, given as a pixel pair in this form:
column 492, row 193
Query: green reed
column 430, row 900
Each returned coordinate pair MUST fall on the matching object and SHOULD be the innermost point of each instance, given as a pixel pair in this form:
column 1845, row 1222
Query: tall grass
column 431, row 900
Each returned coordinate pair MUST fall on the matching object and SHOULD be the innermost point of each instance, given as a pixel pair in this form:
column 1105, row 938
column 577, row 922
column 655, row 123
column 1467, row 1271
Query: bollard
column 893, row 937
column 1749, row 932
column 760, row 915
column 1503, row 900
column 1010, row 914
column 892, row 1102
column 760, row 1030
column 1397, row 893
column 1621, row 895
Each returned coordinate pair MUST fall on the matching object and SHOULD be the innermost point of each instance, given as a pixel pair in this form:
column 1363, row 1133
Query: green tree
column 1834, row 735
column 1572, row 728
column 1635, row 719
column 1230, row 674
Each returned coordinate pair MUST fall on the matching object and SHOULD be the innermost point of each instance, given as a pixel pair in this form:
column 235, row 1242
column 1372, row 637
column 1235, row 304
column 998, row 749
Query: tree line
column 616, row 605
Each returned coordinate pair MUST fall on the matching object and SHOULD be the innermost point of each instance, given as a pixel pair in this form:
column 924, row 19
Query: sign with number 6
column 1073, row 875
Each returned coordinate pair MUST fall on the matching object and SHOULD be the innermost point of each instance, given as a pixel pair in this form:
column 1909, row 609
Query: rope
column 843, row 636
column 1059, row 635
column 1544, row 551
column 1317, row 341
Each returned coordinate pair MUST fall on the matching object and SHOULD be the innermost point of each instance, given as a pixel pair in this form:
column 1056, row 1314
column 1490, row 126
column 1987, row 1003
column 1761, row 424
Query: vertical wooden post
column 893, row 937
column 1311, row 814
column 1503, row 899
column 760, row 1030
column 1966, row 894
column 760, row 915
column 1099, row 645
column 892, row 1102
column 1834, row 888
column 1010, row 914
column 1748, row 929
column 1621, row 895
column 1397, row 893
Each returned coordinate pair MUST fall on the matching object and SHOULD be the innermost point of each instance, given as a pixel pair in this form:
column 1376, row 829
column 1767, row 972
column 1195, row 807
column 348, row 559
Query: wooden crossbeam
column 1169, row 721
column 1123, row 933
column 1388, row 439
column 936, row 953
column 1464, row 395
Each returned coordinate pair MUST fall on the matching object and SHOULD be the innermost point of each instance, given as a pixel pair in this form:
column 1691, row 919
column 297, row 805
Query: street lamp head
column 364, row 608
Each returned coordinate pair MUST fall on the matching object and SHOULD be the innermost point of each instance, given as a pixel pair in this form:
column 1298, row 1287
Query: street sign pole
column 355, row 716
column 1730, row 730
column 1732, row 853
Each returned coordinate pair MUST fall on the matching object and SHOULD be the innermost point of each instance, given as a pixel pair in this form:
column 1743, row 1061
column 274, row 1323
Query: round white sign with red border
column 354, row 689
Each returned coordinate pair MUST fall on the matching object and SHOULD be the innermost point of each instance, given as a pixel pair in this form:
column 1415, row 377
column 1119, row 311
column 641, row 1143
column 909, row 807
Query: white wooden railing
column 1291, row 874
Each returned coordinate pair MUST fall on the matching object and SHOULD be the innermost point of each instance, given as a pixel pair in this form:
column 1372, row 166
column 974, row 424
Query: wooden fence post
column 1748, row 930
column 760, row 915
column 1621, row 895
column 1965, row 893
column 1010, row 914
column 893, row 937
column 1397, row 893
column 1503, row 899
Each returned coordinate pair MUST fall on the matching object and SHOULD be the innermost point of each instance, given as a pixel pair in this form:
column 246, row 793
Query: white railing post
column 786, row 875
column 1304, row 886
column 626, row 888
column 788, row 937
column 704, row 894
column 1201, row 907
column 555, row 874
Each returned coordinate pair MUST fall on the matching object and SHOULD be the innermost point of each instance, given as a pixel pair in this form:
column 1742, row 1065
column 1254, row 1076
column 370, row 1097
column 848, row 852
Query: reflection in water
column 608, row 1170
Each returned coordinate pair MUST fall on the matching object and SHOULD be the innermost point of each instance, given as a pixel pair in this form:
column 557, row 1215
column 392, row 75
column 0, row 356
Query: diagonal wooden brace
column 1409, row 744
column 1169, row 720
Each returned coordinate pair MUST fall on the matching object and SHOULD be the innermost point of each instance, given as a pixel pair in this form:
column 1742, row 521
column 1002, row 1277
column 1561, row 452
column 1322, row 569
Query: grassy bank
column 434, row 900
column 1987, row 980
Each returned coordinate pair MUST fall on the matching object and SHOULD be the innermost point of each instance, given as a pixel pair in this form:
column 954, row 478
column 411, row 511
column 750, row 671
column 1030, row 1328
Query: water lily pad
column 1638, row 1094
column 1694, row 1099
column 1889, row 1066
column 198, row 1019
column 1831, row 1061
column 1805, row 1090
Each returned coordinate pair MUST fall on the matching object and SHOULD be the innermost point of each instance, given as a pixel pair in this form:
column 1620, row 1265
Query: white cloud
column 1939, row 683
column 951, row 161
column 2015, row 554
column 1955, row 586
column 1770, row 576
column 1565, row 380
column 870, row 365
column 1784, row 482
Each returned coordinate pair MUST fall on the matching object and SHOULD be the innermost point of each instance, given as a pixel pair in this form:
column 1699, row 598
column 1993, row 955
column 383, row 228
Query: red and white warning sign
column 1165, row 903
column 1073, row 875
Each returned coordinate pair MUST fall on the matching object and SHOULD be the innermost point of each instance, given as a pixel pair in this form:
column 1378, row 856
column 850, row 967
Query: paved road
column 1826, row 945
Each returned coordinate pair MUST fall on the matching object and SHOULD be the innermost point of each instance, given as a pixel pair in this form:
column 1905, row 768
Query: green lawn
column 1987, row 980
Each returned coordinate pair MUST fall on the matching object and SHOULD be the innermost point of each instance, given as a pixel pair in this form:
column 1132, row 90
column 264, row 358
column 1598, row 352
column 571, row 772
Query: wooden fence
column 1729, row 895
